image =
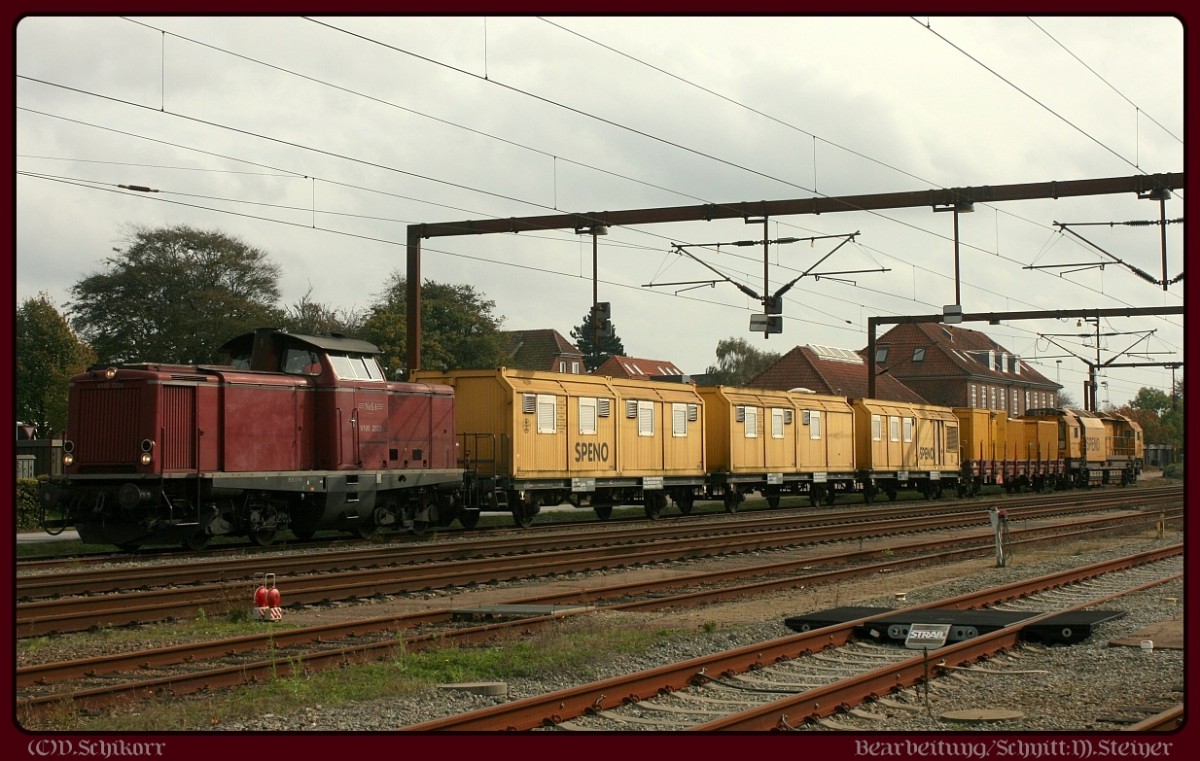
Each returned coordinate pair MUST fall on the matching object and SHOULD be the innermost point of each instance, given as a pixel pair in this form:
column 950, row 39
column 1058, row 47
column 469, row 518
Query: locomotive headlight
column 147, row 447
column 110, row 373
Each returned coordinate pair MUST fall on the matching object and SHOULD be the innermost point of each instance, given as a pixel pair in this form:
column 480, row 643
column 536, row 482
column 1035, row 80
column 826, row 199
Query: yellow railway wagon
column 540, row 438
column 777, row 442
column 983, row 439
column 1040, row 439
column 906, row 446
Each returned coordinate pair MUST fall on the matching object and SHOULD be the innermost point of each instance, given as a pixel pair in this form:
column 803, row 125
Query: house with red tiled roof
column 830, row 370
column 640, row 368
column 954, row 366
column 544, row 349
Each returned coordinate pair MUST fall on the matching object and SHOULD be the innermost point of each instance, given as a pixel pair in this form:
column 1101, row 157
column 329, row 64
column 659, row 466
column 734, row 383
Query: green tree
column 316, row 319
column 48, row 353
column 175, row 294
column 458, row 327
column 596, row 353
column 738, row 362
column 1152, row 400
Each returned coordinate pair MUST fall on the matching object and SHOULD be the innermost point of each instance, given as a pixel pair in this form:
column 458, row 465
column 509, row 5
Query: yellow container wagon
column 906, row 446
column 531, row 438
column 777, row 442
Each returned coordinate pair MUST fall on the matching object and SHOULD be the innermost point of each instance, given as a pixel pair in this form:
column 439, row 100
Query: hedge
column 27, row 504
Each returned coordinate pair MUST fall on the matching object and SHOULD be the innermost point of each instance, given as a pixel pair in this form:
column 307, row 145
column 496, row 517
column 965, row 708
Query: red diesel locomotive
column 296, row 433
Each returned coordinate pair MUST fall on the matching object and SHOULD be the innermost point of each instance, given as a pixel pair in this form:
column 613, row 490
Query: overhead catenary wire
column 865, row 290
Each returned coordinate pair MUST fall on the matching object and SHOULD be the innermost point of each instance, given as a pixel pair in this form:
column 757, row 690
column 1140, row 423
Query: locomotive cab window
column 302, row 362
column 356, row 367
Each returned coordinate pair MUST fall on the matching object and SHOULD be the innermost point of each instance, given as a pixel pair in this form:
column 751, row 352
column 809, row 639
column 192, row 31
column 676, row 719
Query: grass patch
column 571, row 649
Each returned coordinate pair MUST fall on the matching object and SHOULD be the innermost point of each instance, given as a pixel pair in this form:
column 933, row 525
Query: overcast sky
column 319, row 140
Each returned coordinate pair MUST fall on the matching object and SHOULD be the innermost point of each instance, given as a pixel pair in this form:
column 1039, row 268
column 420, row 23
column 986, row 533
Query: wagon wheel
column 891, row 493
column 731, row 499
column 523, row 511
column 684, row 501
column 603, row 512
column 830, row 495
column 654, row 504
column 196, row 541
column 772, row 499
column 816, row 494
column 468, row 518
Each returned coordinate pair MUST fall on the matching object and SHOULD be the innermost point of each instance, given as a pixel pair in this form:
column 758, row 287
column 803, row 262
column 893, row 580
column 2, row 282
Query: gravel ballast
column 1062, row 688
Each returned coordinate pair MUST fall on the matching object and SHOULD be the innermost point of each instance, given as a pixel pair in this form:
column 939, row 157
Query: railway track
column 173, row 671
column 799, row 681
column 392, row 572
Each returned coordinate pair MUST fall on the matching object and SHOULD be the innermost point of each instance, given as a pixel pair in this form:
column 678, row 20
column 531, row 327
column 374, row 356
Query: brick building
column 544, row 349
column 954, row 366
column 830, row 370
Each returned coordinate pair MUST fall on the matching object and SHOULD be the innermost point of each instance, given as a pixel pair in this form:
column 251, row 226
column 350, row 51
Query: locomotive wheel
column 603, row 512
column 196, row 542
column 419, row 527
column 304, row 534
column 365, row 530
column 263, row 537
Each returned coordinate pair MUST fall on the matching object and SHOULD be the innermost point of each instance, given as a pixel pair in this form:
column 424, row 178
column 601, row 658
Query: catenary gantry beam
column 996, row 318
column 940, row 197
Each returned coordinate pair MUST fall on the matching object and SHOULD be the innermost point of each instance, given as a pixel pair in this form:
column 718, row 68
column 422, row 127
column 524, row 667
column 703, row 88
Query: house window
column 881, row 354
column 993, row 404
column 679, row 419
column 575, row 368
column 893, row 428
column 645, row 418
column 1026, row 399
column 547, row 413
column 974, row 396
column 751, row 421
column 562, row 365
column 814, row 424
column 1003, row 401
column 909, row 423
column 587, row 415
column 876, row 428
column 919, row 354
